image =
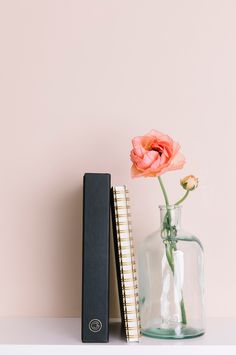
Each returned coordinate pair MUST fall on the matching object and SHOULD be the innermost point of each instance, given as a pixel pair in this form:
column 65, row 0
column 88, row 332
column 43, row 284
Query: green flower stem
column 182, row 199
column 169, row 256
column 168, row 215
column 164, row 191
column 170, row 245
column 183, row 312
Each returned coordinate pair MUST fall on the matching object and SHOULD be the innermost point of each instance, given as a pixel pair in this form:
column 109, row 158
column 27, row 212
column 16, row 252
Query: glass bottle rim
column 170, row 207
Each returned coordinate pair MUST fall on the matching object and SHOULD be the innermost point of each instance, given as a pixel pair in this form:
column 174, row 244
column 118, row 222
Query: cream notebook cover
column 126, row 264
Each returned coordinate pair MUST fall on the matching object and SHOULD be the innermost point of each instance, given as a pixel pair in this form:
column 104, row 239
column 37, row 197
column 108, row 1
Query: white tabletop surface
column 63, row 336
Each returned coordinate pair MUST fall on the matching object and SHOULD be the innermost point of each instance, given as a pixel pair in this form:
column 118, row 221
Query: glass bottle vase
column 171, row 278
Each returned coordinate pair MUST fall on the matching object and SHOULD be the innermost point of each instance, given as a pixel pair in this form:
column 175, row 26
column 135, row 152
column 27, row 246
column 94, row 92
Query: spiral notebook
column 125, row 263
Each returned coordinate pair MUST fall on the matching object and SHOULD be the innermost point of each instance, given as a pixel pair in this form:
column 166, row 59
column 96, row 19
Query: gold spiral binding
column 127, row 258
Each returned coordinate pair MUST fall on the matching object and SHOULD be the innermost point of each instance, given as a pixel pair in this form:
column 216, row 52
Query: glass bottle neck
column 170, row 216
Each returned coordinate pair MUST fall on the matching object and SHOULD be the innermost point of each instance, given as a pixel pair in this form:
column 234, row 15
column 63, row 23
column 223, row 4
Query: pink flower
column 155, row 153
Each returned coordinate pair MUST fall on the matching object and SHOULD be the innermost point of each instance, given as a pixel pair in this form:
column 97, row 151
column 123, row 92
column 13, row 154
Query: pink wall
column 78, row 79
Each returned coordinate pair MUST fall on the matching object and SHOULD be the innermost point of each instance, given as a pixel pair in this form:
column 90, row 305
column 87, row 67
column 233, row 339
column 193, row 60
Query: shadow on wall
column 68, row 254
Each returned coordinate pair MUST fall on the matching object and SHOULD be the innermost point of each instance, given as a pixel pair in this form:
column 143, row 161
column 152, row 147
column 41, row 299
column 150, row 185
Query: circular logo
column 95, row 325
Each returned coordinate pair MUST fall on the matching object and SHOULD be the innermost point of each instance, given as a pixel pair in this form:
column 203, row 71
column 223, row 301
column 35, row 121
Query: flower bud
column 189, row 182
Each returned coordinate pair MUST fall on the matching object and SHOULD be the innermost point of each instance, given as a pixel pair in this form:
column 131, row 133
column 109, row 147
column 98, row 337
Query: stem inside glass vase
column 169, row 233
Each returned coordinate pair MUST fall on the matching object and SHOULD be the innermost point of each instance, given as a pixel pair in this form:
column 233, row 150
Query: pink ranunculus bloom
column 155, row 153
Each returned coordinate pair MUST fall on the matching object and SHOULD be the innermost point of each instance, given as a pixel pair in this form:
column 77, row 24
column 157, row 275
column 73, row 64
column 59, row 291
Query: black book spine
column 95, row 278
column 117, row 257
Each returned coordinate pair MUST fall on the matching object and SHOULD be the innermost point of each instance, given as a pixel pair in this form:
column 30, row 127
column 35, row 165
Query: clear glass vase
column 171, row 278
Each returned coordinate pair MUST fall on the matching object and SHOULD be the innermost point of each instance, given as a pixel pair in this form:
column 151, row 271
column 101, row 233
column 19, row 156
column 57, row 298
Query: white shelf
column 61, row 336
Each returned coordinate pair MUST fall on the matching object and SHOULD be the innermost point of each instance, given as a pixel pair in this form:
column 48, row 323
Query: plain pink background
column 79, row 79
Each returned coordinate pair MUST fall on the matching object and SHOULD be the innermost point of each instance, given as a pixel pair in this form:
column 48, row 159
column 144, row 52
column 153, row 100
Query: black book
column 95, row 278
